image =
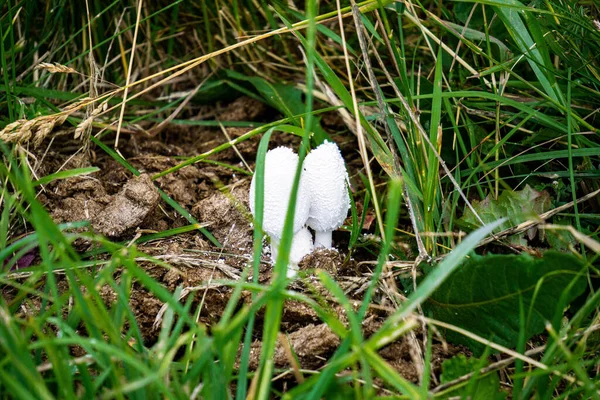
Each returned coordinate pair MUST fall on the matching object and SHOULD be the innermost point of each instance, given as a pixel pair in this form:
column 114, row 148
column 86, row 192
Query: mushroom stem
column 302, row 244
column 292, row 271
column 274, row 250
column 323, row 239
column 292, row 268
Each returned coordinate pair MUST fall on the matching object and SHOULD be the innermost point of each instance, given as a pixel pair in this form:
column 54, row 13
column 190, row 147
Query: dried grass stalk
column 79, row 104
column 39, row 128
column 84, row 127
column 43, row 130
column 56, row 68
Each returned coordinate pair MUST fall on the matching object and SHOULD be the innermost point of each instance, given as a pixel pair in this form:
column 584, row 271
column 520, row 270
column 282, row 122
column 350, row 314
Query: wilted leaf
column 486, row 388
column 515, row 206
column 484, row 295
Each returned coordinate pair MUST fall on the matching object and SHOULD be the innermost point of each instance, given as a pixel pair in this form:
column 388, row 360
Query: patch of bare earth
column 120, row 205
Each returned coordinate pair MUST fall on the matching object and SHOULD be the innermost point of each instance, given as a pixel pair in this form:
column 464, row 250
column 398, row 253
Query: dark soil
column 120, row 205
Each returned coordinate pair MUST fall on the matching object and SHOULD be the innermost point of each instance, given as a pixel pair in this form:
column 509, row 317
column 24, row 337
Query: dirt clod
column 311, row 344
column 128, row 208
column 326, row 259
column 228, row 217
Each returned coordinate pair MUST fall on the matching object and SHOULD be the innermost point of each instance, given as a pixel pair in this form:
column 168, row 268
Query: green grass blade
column 451, row 262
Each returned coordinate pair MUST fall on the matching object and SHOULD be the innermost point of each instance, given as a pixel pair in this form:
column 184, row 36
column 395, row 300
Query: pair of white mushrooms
column 322, row 202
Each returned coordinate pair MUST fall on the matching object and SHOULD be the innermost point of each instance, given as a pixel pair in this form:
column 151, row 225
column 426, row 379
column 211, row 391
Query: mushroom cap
column 280, row 169
column 326, row 178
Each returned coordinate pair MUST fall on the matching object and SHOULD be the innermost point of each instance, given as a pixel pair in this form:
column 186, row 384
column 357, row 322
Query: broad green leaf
column 487, row 387
column 515, row 206
column 387, row 333
column 484, row 295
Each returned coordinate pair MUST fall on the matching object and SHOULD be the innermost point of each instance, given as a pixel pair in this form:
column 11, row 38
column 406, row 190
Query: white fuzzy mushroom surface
column 302, row 244
column 280, row 169
column 325, row 177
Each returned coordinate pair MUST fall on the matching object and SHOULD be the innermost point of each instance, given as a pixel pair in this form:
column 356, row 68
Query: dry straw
column 39, row 128
column 22, row 130
column 86, row 124
column 56, row 68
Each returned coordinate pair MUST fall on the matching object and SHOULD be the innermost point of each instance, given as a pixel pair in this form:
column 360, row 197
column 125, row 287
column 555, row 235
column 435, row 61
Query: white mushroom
column 280, row 170
column 326, row 178
column 302, row 244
